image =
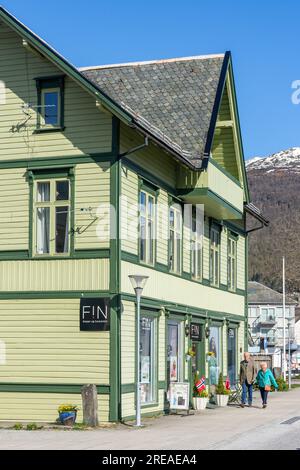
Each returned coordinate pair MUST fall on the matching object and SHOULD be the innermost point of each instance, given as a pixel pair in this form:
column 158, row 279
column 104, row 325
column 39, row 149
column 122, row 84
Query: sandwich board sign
column 95, row 314
column 179, row 396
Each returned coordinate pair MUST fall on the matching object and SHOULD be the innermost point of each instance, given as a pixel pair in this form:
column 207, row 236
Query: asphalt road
column 221, row 428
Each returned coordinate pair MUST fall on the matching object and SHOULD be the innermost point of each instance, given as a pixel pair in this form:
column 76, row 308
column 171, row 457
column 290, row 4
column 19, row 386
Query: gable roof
column 182, row 122
column 191, row 141
column 173, row 99
column 261, row 294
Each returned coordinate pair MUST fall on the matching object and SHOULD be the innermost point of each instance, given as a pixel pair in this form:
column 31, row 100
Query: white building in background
column 265, row 320
column 297, row 338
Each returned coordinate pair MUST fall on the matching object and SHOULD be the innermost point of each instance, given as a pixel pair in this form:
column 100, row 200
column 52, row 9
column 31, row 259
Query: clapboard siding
column 128, row 343
column 162, row 228
column 241, row 247
column 44, row 344
column 92, row 190
column 42, row 407
column 54, row 275
column 88, row 130
column 129, row 211
column 14, row 203
column 223, row 258
column 151, row 158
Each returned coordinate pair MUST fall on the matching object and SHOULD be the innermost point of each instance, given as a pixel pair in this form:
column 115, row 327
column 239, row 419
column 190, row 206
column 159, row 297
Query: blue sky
column 263, row 37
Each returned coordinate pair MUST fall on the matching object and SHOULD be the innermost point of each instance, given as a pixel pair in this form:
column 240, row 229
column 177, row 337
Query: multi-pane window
column 214, row 256
column 175, row 239
column 50, row 107
column 50, row 103
column 52, row 213
column 196, row 250
column 147, row 227
column 231, row 269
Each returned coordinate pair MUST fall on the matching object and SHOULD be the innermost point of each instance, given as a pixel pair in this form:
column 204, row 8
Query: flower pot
column 68, row 418
column 222, row 400
column 199, row 403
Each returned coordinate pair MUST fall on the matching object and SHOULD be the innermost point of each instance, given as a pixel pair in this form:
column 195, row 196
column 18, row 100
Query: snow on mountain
column 286, row 160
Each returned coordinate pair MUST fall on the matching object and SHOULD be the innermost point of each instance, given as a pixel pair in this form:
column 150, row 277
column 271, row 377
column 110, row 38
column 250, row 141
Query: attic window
column 50, row 97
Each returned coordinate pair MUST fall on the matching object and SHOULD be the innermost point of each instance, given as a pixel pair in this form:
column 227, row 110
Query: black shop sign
column 95, row 314
column 195, row 332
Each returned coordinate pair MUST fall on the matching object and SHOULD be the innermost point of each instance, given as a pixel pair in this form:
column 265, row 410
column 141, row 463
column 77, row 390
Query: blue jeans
column 247, row 388
column 264, row 395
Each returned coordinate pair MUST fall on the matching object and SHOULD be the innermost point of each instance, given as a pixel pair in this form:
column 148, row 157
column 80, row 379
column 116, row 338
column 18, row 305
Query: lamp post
column 283, row 310
column 290, row 372
column 138, row 283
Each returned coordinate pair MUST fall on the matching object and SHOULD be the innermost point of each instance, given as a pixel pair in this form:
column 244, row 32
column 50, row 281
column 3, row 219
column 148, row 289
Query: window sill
column 48, row 129
column 150, row 405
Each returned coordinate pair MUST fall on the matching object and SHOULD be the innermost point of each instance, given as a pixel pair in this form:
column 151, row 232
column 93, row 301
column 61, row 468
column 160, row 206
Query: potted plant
column 200, row 397
column 190, row 354
column 67, row 414
column 222, row 394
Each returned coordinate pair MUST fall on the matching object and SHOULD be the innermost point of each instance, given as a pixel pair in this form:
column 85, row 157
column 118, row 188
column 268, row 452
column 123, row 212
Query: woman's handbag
column 267, row 388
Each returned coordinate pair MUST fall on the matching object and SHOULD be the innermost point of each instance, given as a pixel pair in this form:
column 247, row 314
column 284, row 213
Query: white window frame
column 149, row 242
column 44, row 91
column 175, row 233
column 52, row 204
column 232, row 263
column 214, row 256
column 196, row 251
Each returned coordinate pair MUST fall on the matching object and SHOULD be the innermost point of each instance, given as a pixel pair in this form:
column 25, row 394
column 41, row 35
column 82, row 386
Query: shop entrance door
column 231, row 355
column 198, row 347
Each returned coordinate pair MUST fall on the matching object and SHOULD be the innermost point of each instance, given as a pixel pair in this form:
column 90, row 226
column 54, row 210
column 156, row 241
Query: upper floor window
column 50, row 114
column 52, row 217
column 175, row 238
column 215, row 256
column 232, row 262
column 147, row 227
column 196, row 249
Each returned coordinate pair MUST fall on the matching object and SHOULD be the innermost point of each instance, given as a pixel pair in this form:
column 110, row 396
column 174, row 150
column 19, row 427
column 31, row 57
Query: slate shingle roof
column 260, row 294
column 172, row 99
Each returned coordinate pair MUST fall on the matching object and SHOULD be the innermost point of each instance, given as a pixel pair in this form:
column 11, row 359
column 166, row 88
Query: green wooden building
column 134, row 137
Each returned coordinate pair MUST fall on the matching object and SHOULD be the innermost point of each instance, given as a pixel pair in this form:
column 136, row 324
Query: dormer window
column 50, row 115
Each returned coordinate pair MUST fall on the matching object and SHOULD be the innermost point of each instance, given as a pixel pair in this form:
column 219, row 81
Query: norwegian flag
column 200, row 384
column 227, row 383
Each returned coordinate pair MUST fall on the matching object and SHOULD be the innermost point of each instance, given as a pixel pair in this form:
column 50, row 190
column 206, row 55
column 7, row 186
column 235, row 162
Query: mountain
column 274, row 183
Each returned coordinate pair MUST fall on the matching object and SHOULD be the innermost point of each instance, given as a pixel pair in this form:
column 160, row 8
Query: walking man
column 247, row 378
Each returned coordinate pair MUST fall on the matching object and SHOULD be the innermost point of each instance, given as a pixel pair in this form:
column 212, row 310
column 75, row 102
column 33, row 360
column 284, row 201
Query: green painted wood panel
column 42, row 407
column 128, row 343
column 206, row 247
column 54, row 275
column 223, row 150
column 151, row 158
column 169, row 288
column 14, row 203
column 223, row 259
column 224, row 111
column 92, row 190
column 44, row 344
column 87, row 129
column 241, row 247
column 163, row 228
column 129, row 210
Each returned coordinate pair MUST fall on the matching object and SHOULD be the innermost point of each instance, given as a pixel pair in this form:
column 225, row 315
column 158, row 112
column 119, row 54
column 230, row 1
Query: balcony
column 266, row 321
column 220, row 193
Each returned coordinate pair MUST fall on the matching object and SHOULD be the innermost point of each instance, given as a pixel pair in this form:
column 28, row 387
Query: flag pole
column 283, row 309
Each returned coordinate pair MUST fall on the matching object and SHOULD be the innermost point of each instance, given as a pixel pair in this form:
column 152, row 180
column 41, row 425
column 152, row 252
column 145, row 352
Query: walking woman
column 265, row 379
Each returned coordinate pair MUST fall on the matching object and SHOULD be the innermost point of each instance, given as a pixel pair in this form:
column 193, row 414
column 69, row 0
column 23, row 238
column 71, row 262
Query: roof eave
column 45, row 49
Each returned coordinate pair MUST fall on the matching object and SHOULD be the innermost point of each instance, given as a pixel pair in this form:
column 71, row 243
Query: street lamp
column 290, row 372
column 138, row 283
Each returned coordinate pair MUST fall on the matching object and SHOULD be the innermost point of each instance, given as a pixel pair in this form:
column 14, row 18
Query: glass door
column 147, row 359
column 232, row 363
column 174, row 352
